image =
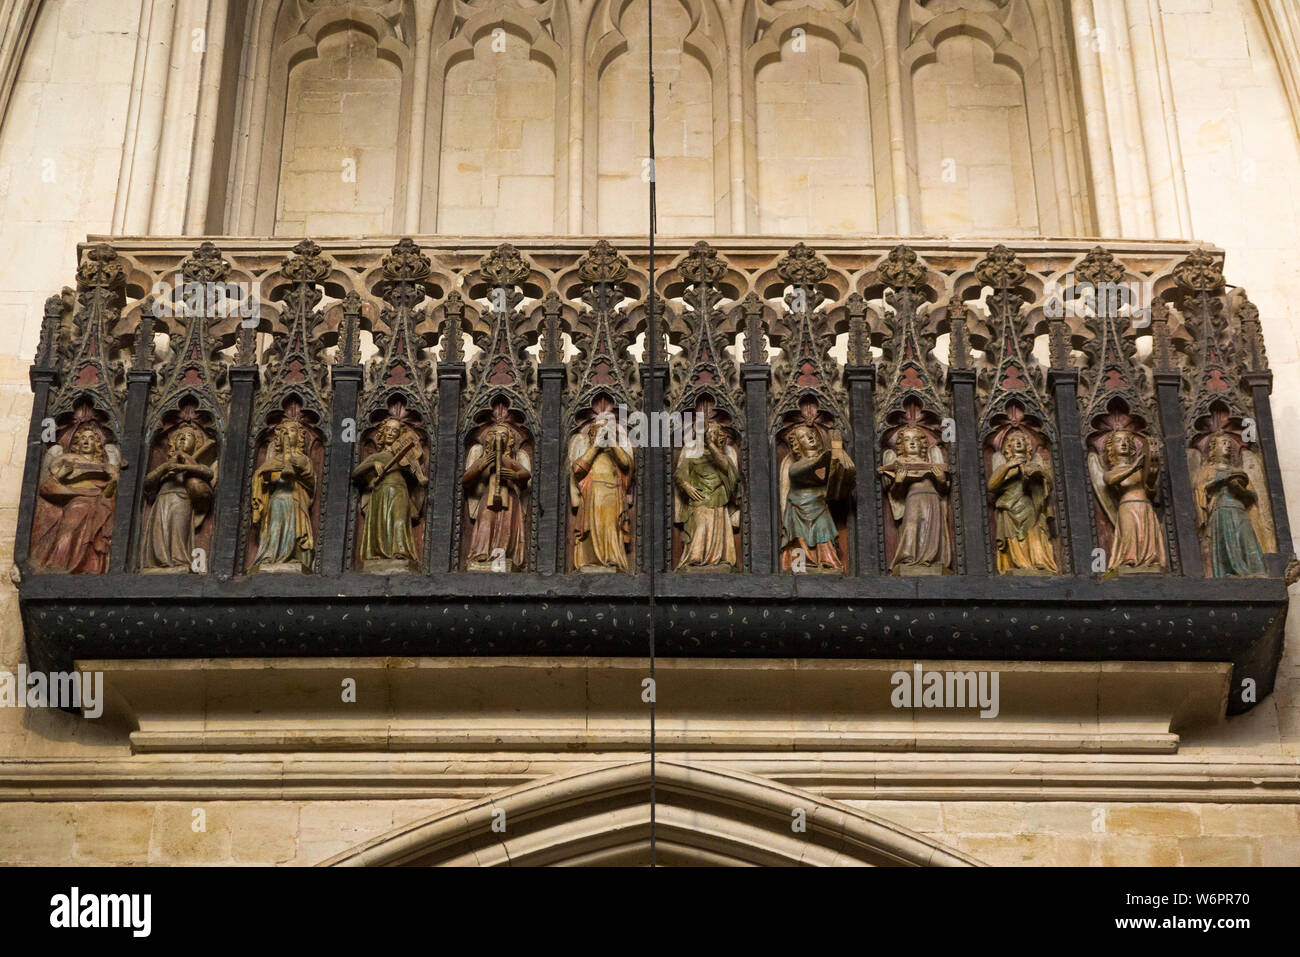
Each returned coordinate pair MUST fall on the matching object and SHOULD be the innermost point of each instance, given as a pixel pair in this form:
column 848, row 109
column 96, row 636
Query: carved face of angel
column 388, row 433
column 498, row 436
column 86, row 441
column 1121, row 447
column 184, row 440
column 911, row 443
column 289, row 437
column 804, row 441
column 1221, row 449
column 1016, row 446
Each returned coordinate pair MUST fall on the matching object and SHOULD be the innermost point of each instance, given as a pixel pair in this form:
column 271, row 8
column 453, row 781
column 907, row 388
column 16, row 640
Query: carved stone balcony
column 940, row 450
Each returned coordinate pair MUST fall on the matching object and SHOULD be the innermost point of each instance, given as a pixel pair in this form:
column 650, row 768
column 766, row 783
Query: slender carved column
column 654, row 386
column 230, row 484
column 446, row 463
column 345, row 379
column 44, row 377
column 1168, row 383
column 1259, row 379
column 756, row 378
column 135, row 445
column 860, row 378
column 974, row 522
column 1063, row 380
column 550, row 500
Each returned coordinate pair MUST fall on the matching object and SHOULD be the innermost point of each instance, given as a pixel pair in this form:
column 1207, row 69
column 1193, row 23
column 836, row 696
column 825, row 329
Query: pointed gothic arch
column 704, row 815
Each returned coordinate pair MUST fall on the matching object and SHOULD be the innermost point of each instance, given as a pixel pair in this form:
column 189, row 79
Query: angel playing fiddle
column 181, row 491
column 78, row 497
column 916, row 480
column 812, row 476
column 1227, row 512
column 1125, row 478
column 391, row 482
column 496, row 477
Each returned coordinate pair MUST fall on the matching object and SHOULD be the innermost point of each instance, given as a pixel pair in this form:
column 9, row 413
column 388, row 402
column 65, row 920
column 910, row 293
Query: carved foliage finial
column 801, row 266
column 504, row 268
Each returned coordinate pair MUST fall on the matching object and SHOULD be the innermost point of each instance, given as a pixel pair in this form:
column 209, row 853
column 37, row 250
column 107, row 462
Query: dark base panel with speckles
column 1050, row 619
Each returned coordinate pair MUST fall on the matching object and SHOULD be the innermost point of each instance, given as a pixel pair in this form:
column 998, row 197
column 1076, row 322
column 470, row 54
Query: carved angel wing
column 1194, row 463
column 1097, row 472
column 577, row 449
column 1261, row 513
column 896, row 508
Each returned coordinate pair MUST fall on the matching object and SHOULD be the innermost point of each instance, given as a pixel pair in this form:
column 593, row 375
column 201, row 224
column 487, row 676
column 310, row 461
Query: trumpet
column 495, row 498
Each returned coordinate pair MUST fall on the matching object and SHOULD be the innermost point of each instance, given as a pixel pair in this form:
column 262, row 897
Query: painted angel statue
column 706, row 502
column 1125, row 478
column 497, row 473
column 812, row 476
column 916, row 480
column 601, row 464
column 73, row 527
column 1022, row 481
column 180, row 489
column 1230, row 515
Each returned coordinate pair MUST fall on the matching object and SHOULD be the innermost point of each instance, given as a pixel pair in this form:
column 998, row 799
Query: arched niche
column 497, row 120
column 994, row 144
column 816, row 123
column 974, row 164
column 691, row 169
column 339, row 158
column 303, row 62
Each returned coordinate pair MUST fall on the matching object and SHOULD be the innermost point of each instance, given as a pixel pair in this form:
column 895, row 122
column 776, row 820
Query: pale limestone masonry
column 1114, row 119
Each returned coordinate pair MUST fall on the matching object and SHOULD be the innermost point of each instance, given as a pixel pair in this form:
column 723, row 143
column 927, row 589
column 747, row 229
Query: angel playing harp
column 497, row 473
column 181, row 491
column 1022, row 481
column 916, row 480
column 391, row 482
column 1228, row 510
column 812, row 476
column 706, row 502
column 1125, row 478
column 78, row 497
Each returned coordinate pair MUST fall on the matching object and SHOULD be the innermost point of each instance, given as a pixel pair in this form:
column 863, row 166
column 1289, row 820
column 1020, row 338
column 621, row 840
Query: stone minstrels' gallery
column 940, row 439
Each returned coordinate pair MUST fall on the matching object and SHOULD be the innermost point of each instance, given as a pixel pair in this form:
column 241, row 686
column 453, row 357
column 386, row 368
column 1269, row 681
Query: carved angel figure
column 600, row 476
column 916, row 481
column 78, row 498
column 283, row 488
column 497, row 472
column 180, row 489
column 813, row 476
column 1125, row 478
column 1022, row 481
column 706, row 500
column 1227, row 512
column 391, row 481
